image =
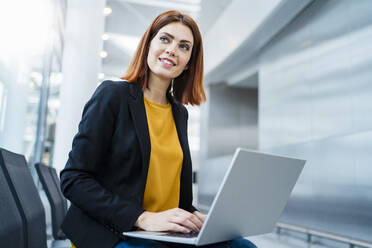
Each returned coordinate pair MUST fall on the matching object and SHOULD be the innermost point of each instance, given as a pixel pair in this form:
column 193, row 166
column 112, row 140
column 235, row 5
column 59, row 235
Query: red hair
column 188, row 87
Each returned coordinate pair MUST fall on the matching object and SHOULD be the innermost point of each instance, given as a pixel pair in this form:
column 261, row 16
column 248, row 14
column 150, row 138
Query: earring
column 172, row 84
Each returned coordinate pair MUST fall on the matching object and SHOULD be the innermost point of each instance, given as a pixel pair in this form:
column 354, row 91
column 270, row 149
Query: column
column 80, row 66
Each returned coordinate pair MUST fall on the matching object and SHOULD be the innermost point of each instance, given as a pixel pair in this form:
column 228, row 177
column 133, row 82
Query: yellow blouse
column 162, row 190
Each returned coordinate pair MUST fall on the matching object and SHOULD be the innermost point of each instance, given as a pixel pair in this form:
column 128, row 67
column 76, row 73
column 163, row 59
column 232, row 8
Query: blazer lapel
column 137, row 109
column 180, row 121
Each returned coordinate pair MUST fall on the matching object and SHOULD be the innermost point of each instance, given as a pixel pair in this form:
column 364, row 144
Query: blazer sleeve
column 89, row 148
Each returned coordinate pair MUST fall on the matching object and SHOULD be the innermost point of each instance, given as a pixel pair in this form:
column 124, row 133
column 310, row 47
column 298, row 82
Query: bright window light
column 24, row 27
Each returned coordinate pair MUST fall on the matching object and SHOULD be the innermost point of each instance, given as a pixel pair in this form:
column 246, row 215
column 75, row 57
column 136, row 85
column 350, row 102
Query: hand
column 200, row 216
column 174, row 220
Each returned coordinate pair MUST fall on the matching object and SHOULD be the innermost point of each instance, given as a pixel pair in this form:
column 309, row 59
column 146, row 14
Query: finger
column 174, row 227
column 200, row 216
column 196, row 221
column 193, row 218
column 194, row 227
column 181, row 220
column 203, row 216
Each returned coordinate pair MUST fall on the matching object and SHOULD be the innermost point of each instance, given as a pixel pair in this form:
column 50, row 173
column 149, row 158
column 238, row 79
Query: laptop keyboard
column 182, row 235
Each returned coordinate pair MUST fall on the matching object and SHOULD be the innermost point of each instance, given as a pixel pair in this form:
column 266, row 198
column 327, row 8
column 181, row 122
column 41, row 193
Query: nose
column 171, row 50
column 170, row 53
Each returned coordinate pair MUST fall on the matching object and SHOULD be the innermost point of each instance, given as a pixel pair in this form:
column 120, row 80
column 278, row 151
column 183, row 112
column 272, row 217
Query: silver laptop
column 249, row 202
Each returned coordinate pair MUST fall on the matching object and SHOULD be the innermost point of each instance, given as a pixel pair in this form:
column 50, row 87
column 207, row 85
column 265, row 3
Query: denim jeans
column 146, row 243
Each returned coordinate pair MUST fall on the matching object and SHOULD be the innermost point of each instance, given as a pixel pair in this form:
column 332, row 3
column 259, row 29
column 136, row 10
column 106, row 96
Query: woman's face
column 170, row 51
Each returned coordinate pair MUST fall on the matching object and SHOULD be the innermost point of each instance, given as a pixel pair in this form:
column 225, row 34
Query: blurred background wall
column 315, row 91
column 314, row 87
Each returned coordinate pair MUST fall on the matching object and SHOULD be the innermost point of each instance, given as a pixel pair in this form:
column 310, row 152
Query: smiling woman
column 130, row 163
column 171, row 36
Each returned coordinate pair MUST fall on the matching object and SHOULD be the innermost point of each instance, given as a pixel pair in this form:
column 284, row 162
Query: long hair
column 188, row 87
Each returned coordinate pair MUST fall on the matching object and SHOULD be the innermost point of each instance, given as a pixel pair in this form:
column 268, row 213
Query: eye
column 164, row 39
column 185, row 47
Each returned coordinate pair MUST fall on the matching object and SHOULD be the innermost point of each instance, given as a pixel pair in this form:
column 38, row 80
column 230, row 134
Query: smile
column 167, row 61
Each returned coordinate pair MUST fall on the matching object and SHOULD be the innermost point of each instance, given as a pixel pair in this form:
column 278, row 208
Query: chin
column 163, row 76
column 167, row 76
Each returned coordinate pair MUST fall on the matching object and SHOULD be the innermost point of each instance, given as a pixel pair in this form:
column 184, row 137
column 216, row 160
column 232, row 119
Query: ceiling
column 130, row 18
column 233, row 31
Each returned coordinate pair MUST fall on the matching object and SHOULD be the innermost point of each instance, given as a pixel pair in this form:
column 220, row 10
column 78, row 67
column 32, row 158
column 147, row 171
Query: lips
column 167, row 61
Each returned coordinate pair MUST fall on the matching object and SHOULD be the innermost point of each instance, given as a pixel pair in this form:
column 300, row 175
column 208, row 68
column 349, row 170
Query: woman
column 130, row 165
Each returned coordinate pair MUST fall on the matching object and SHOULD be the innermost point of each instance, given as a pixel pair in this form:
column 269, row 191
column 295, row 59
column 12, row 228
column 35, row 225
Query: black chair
column 11, row 226
column 57, row 204
column 26, row 197
column 55, row 177
column 59, row 243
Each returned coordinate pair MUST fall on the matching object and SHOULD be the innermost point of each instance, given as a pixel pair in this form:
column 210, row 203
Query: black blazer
column 105, row 175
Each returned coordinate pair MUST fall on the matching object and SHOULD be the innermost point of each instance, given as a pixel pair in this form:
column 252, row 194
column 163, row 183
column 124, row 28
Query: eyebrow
column 173, row 37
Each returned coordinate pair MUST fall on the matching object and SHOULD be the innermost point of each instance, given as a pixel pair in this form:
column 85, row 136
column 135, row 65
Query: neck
column 157, row 89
